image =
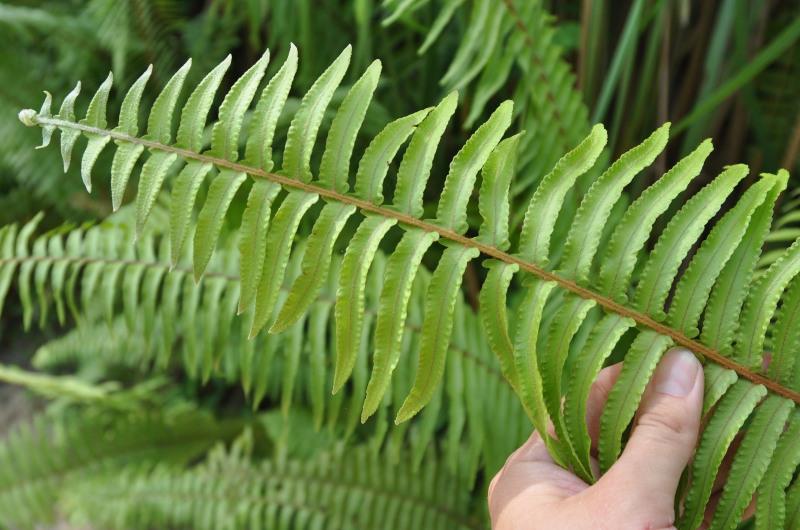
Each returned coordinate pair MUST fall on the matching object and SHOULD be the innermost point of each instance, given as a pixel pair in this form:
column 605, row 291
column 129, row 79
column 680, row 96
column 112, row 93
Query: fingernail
column 677, row 373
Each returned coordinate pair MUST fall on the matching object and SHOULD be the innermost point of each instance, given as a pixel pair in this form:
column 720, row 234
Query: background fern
column 473, row 439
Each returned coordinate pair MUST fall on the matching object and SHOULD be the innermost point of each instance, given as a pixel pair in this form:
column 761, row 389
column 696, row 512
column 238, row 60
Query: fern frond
column 233, row 488
column 39, row 460
column 164, row 319
column 583, row 278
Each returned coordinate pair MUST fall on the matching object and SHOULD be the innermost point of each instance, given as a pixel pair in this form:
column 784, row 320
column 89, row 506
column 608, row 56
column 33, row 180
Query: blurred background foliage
column 723, row 69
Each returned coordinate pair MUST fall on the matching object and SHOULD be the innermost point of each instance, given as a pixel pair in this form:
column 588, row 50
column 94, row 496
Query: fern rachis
column 538, row 383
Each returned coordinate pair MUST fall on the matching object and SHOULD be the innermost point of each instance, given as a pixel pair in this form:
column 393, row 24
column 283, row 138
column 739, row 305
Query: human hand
column 533, row 492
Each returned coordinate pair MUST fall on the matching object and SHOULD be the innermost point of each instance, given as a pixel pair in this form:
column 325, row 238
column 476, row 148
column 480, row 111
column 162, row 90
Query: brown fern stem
column 640, row 318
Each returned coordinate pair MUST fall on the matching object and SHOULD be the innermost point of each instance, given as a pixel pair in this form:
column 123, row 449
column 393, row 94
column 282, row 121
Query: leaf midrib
column 488, row 250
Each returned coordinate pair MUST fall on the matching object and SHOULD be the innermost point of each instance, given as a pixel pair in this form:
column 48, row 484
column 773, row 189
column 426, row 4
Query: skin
column 532, row 492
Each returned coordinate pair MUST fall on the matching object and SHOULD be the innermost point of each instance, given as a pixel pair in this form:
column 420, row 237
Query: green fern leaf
column 751, row 461
column 760, row 305
column 252, row 242
column 721, row 318
column 460, row 180
column 562, row 330
column 127, row 154
column 279, row 244
column 729, row 415
column 770, row 496
column 195, row 111
column 68, row 136
column 623, row 400
column 305, row 125
column 717, row 382
column 679, row 235
column 334, row 169
column 212, row 215
column 632, row 232
column 316, row 264
column 526, row 360
column 258, row 152
column 495, row 318
column 95, row 117
column 586, row 366
column 379, row 155
column 225, row 132
column 786, row 336
column 392, row 308
column 584, row 235
column 415, row 167
column 493, row 197
column 542, row 212
column 159, row 124
column 184, row 194
column 436, row 328
column 691, row 293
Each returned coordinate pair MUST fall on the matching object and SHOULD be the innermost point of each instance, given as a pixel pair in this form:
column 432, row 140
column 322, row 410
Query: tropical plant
column 575, row 308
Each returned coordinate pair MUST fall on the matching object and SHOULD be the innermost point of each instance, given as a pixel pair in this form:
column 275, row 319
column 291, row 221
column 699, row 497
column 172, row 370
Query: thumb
column 664, row 434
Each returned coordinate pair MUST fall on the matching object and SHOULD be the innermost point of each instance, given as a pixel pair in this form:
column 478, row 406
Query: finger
column 663, row 436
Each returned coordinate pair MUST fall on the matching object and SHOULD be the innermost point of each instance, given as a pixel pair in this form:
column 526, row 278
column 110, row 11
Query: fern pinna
column 604, row 296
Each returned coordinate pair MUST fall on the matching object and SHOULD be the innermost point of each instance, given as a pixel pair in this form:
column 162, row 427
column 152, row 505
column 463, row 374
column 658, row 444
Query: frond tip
column 714, row 298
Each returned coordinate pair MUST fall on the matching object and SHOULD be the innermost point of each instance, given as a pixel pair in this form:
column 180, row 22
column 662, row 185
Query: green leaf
column 692, row 291
column 212, row 216
column 95, row 117
column 439, row 306
column 546, row 203
column 633, row 230
column 392, row 310
column 334, row 169
column 415, row 168
column 526, row 359
column 604, row 336
column 253, row 238
column 793, row 505
column 495, row 318
column 460, row 180
column 717, row 382
column 125, row 157
column 129, row 112
column 678, row 237
column 786, row 337
column 159, row 124
column 316, row 263
column 181, row 205
column 751, row 461
column 153, row 174
column 68, row 134
column 723, row 310
column 551, row 364
column 225, row 132
column 379, row 154
column 729, row 415
column 47, row 130
column 258, row 152
column 195, row 111
column 93, row 149
column 623, row 400
column 584, row 235
column 760, row 306
column 770, row 496
column 493, row 197
column 279, row 244
column 305, row 125
column 350, row 293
